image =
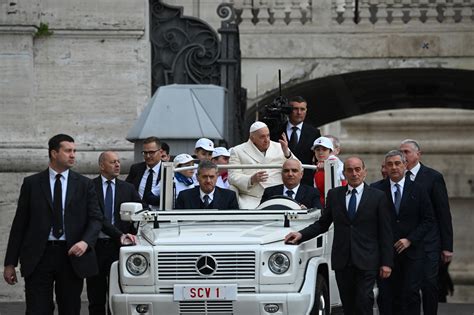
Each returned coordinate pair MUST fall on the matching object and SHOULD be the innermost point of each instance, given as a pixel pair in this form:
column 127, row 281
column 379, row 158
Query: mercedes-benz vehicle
column 223, row 262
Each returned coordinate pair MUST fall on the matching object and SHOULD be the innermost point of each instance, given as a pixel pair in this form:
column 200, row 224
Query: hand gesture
column 284, row 145
column 260, row 176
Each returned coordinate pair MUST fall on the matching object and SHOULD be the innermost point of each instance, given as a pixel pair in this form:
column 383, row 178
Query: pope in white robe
column 259, row 149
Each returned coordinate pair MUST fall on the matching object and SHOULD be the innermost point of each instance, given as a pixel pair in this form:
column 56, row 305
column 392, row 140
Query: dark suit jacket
column 441, row 234
column 303, row 149
column 224, row 199
column 366, row 241
column 34, row 216
column 307, row 195
column 135, row 177
column 124, row 192
column 415, row 217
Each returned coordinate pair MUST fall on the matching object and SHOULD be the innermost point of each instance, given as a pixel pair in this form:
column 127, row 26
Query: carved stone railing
column 273, row 12
column 403, row 11
column 291, row 13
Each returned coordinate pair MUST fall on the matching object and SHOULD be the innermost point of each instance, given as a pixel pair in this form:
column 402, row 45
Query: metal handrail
column 244, row 166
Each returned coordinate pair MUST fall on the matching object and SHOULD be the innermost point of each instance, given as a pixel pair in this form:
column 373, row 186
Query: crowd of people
column 396, row 232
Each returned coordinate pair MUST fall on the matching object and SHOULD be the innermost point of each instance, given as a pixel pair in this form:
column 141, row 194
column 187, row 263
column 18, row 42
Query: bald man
column 291, row 174
column 111, row 192
column 362, row 246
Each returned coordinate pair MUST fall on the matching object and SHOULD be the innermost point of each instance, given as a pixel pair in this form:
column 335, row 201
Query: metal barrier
column 167, row 174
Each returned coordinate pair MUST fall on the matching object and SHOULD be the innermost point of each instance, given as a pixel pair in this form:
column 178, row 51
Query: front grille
column 182, row 265
column 206, row 307
column 246, row 290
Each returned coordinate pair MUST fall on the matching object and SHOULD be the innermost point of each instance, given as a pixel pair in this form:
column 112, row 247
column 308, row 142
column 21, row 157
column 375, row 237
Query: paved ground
column 444, row 309
column 18, row 308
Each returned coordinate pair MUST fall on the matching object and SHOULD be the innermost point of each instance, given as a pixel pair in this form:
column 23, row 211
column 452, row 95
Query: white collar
column 104, row 180
column 401, row 183
column 359, row 189
column 211, row 194
column 155, row 168
column 53, row 173
column 294, row 190
column 415, row 169
column 290, row 125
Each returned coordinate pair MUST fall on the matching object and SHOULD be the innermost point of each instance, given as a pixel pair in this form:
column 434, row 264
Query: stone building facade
column 83, row 68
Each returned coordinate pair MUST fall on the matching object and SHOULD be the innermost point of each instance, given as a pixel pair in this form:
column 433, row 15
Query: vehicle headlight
column 137, row 264
column 278, row 263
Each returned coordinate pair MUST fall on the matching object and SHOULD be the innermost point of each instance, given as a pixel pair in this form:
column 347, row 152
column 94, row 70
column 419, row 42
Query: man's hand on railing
column 293, row 238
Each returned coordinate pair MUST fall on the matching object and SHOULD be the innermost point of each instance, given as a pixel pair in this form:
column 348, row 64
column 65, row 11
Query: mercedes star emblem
column 206, row 265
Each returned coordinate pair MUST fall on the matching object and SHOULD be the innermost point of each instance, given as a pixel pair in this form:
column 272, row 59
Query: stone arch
column 345, row 95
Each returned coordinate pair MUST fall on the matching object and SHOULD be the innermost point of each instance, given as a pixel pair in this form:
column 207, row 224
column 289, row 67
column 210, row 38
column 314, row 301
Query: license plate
column 217, row 292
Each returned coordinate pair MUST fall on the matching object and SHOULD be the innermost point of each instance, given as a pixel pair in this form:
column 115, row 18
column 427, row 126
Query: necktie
column 108, row 202
column 148, row 185
column 206, row 201
column 398, row 198
column 293, row 138
column 408, row 175
column 290, row 193
column 58, row 208
column 351, row 210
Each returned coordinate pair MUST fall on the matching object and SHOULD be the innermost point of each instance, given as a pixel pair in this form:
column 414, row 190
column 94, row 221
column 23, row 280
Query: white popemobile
column 223, row 262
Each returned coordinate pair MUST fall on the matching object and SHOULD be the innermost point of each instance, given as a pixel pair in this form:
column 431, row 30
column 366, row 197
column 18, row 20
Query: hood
column 219, row 233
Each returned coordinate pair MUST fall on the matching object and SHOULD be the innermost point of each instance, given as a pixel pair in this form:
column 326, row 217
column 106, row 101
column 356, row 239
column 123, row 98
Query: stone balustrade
column 262, row 13
column 403, row 11
column 273, row 12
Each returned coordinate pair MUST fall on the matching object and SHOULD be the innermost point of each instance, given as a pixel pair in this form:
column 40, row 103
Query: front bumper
column 245, row 304
column 289, row 304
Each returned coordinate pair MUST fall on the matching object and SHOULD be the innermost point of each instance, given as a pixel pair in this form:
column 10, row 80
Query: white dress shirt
column 211, row 195
column 295, row 191
column 289, row 130
column 359, row 189
column 104, row 190
column 155, row 187
column 393, row 189
column 414, row 171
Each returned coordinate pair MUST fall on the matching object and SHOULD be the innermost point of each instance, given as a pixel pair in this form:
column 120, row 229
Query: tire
column 321, row 304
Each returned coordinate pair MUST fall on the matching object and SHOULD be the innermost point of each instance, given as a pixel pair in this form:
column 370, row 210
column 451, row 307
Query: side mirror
column 127, row 209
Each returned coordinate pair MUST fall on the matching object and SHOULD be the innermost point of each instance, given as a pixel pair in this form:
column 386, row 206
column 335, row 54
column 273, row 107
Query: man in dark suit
column 362, row 246
column 300, row 135
column 145, row 176
column 111, row 192
column 207, row 195
column 54, row 232
column 412, row 217
column 439, row 240
column 291, row 174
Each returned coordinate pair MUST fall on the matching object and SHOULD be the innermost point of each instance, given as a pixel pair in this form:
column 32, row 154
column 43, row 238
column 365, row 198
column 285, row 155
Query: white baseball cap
column 205, row 144
column 220, row 151
column 182, row 158
column 324, row 142
column 257, row 125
